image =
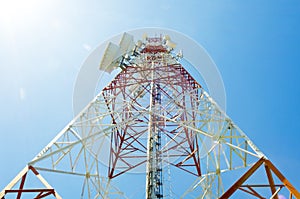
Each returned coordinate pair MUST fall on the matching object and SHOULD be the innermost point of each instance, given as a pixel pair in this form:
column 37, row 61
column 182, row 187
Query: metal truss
column 18, row 189
column 153, row 118
column 251, row 189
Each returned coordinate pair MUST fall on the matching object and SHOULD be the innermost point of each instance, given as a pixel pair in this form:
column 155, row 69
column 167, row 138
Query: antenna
column 171, row 44
column 126, row 43
column 111, row 53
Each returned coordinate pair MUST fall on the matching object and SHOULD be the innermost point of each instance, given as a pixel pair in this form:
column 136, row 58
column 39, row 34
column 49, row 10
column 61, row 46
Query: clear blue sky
column 254, row 43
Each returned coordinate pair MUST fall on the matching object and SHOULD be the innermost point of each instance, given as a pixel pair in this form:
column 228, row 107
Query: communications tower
column 152, row 132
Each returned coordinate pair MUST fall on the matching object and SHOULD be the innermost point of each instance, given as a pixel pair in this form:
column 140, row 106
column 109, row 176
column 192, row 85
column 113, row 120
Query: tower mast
column 154, row 166
column 153, row 113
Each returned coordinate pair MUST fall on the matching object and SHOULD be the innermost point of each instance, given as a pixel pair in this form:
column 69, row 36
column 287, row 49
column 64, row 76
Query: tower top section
column 121, row 55
column 158, row 44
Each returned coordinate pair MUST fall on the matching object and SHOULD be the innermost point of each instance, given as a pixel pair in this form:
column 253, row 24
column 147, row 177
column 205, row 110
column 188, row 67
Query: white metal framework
column 152, row 118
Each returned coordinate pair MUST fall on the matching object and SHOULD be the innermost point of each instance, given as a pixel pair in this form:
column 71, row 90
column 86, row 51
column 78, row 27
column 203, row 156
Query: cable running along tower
column 152, row 132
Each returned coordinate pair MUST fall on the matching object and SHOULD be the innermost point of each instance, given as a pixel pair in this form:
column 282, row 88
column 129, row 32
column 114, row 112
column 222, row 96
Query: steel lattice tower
column 153, row 117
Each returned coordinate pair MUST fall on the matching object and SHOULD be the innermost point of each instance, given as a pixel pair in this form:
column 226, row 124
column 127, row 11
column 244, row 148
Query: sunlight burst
column 16, row 11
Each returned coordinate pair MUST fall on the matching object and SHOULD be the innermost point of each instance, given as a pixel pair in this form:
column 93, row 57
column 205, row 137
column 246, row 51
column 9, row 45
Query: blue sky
column 255, row 44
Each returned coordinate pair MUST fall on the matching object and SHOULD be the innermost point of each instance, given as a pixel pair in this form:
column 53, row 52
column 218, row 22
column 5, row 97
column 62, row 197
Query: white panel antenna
column 139, row 43
column 170, row 44
column 112, row 52
column 126, row 43
column 145, row 36
column 167, row 38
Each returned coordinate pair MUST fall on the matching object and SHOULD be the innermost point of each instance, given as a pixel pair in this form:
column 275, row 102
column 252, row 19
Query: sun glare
column 13, row 12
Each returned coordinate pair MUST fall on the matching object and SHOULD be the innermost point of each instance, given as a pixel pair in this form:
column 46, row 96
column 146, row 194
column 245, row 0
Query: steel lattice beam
column 153, row 116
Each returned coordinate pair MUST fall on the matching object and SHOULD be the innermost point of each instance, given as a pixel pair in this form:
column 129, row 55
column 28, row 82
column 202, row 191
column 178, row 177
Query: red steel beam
column 238, row 183
column 271, row 181
column 269, row 167
column 21, row 185
column 286, row 183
